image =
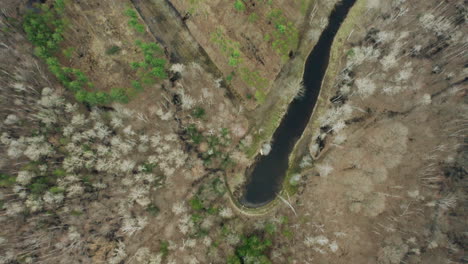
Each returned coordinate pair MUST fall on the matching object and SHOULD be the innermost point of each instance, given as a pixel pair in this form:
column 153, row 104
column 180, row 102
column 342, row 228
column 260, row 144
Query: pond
column 269, row 171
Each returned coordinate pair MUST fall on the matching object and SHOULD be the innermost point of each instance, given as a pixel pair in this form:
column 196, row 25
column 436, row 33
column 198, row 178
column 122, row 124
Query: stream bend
column 269, row 171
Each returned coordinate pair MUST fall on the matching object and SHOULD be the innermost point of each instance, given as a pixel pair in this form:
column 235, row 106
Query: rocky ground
column 380, row 175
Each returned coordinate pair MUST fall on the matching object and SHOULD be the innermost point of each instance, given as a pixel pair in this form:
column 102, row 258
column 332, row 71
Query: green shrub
column 270, row 228
column 6, row 180
column 199, row 112
column 234, row 58
column 149, row 167
column 76, row 213
column 218, row 186
column 260, row 96
column 137, row 85
column 196, row 218
column 281, row 28
column 159, row 72
column 68, row 52
column 133, row 20
column 152, row 209
column 212, row 211
column 253, row 18
column 112, row 50
column 59, row 172
column 119, row 95
column 56, row 189
column 230, row 77
column 194, row 134
column 196, row 204
column 239, row 5
column 164, row 248
column 38, row 188
column 251, row 251
column 152, row 67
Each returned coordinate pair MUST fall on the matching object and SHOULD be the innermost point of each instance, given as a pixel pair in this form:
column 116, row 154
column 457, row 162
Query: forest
column 131, row 131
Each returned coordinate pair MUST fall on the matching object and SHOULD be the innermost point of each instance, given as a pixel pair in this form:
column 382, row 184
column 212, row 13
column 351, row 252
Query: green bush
column 152, row 209
column 253, row 18
column 119, row 95
column 196, row 204
column 152, row 67
column 59, row 172
column 270, row 228
column 260, row 96
column 196, row 218
column 133, row 20
column 6, row 180
column 149, row 167
column 251, row 251
column 239, row 5
column 38, row 188
column 56, row 189
column 112, row 50
column 76, row 213
column 199, row 112
column 234, row 58
column 164, row 248
column 68, row 52
column 194, row 134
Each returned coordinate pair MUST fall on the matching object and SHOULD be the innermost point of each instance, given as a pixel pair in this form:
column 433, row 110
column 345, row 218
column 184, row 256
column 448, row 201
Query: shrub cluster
column 133, row 20
column 252, row 250
column 152, row 67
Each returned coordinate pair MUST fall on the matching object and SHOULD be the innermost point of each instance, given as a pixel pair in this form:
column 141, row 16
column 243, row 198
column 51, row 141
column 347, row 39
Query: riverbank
column 335, row 64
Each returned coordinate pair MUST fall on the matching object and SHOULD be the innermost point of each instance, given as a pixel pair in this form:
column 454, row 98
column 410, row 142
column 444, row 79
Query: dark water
column 268, row 174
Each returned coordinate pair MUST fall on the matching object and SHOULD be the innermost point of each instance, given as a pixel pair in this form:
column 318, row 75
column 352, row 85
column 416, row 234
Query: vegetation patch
column 239, row 5
column 228, row 47
column 285, row 37
column 45, row 30
column 133, row 21
column 251, row 251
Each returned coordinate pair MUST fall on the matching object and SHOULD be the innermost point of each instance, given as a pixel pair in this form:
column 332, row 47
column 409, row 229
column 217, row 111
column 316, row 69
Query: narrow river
column 269, row 171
